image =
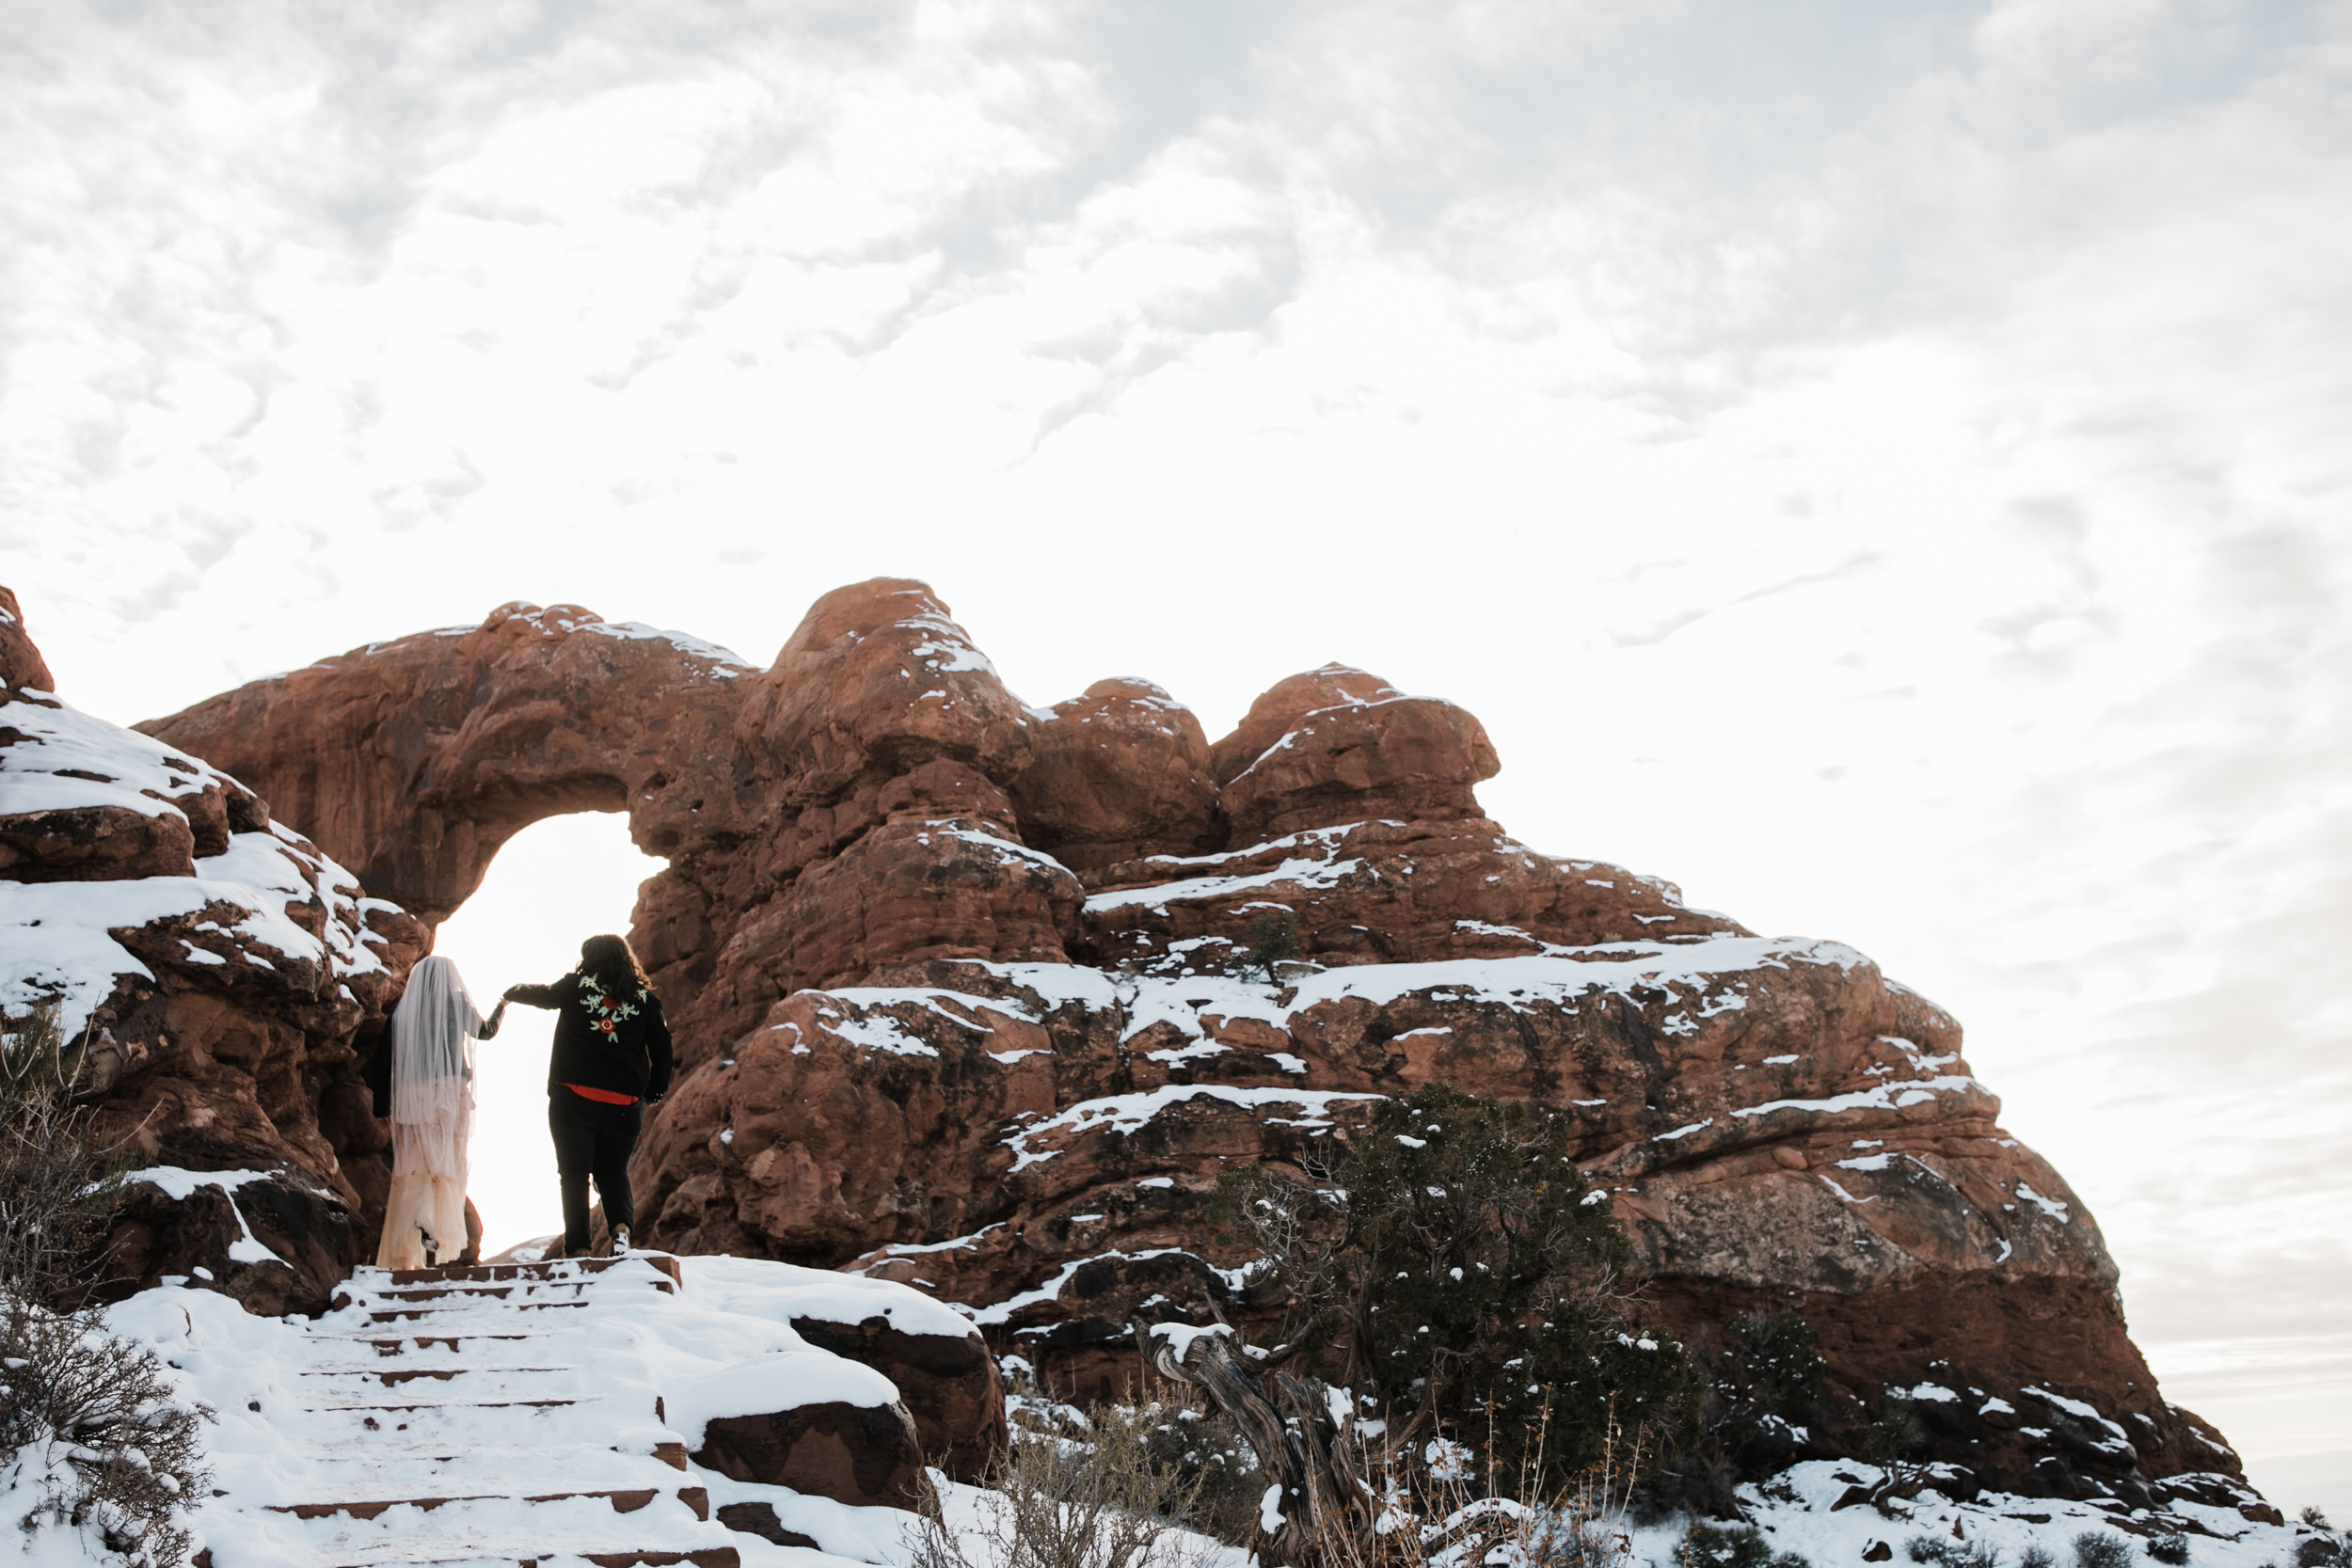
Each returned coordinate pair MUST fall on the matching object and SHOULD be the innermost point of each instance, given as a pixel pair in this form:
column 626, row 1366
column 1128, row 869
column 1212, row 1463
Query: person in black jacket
column 612, row 1059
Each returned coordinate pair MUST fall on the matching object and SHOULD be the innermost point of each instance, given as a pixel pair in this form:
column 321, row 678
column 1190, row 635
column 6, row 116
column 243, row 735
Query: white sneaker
column 620, row 1242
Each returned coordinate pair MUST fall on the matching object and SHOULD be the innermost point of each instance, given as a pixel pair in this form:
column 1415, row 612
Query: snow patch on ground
column 1793, row 1510
column 722, row 1344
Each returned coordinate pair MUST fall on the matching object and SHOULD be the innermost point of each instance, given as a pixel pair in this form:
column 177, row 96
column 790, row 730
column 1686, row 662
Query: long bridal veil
column 433, row 1030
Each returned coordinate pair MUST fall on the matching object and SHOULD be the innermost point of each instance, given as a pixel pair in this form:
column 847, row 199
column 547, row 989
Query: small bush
column 1271, row 938
column 1947, row 1553
column 2037, row 1557
column 2095, row 1548
column 96, row 1431
column 89, row 1424
column 1450, row 1272
column 1208, row 1454
column 2324, row 1550
column 2171, row 1549
column 1104, row 1502
column 1712, row 1546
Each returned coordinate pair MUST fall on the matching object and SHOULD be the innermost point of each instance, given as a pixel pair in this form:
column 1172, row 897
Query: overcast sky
column 1882, row 466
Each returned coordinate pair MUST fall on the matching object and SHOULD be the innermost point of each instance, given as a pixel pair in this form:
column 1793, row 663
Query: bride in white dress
column 432, row 1083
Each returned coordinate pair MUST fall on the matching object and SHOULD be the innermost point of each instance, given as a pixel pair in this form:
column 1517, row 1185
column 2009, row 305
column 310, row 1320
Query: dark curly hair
column 614, row 963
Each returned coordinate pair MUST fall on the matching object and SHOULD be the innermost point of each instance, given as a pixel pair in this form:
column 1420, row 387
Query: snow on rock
column 920, row 1345
column 781, row 1380
column 1179, row 1336
column 217, row 966
column 946, row 968
column 1125, row 1113
column 268, row 901
column 60, row 758
column 1304, row 872
column 181, row 1185
column 755, row 1288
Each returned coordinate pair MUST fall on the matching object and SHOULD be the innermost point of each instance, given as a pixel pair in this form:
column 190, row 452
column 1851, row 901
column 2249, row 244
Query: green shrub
column 1271, row 938
column 1772, row 1368
column 1713, row 1545
column 2096, row 1548
column 1947, row 1553
column 1462, row 1279
column 1202, row 1447
column 2171, row 1549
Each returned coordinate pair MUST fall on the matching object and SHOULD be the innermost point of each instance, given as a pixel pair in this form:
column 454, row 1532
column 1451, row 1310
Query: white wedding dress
column 433, row 1033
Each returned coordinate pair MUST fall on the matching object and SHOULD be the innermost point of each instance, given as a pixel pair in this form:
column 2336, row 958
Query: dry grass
column 92, row 1434
column 1090, row 1491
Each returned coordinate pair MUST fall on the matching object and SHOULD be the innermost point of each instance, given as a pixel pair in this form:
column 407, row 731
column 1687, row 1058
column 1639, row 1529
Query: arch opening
column 558, row 880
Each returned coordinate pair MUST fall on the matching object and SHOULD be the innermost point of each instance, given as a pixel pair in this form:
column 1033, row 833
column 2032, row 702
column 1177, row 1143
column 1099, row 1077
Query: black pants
column 592, row 1139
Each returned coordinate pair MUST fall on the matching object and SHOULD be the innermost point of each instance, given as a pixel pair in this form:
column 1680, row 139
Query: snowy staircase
column 477, row 1416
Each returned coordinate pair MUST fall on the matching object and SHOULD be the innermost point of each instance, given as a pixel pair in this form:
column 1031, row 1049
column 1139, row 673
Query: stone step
column 422, row 1314
column 428, row 1451
column 553, row 1430
column 403, row 1346
column 659, row 1261
column 369, row 1479
column 508, row 1283
column 560, row 1289
column 361, row 1532
column 391, row 1378
column 437, row 1459
column 556, row 1422
column 441, row 1404
column 624, row 1500
column 700, row 1557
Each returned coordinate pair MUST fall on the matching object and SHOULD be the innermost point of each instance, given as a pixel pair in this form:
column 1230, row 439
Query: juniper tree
column 1270, row 938
column 1455, row 1272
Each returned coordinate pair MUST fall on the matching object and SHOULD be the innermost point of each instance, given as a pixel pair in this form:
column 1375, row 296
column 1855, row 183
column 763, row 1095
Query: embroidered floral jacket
column 617, row 1040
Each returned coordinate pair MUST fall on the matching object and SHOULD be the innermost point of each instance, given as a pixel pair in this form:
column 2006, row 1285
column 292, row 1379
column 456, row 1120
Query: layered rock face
column 963, row 1000
column 228, row 976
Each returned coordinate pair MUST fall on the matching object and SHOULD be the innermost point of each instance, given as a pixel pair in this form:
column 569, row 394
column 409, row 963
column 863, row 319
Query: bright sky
column 1880, row 465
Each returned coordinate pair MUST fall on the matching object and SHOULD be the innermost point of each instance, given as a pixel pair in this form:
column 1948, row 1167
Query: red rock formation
column 432, row 750
column 239, row 974
column 1336, row 740
column 949, row 1387
column 227, row 973
column 962, row 1000
column 1122, row 772
column 21, row 664
column 866, row 1457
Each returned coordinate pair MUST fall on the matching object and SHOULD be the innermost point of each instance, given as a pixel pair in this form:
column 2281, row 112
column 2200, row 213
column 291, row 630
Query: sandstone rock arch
column 421, row 756
column 951, row 985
